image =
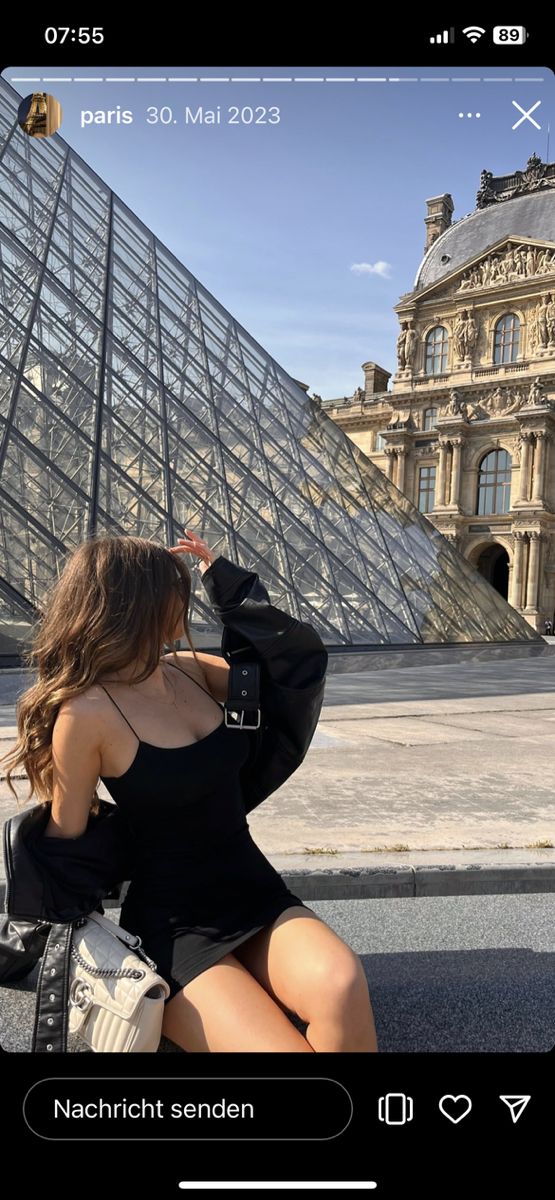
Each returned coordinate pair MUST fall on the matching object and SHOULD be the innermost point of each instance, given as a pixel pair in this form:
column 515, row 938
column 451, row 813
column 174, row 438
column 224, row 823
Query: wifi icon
column 473, row 32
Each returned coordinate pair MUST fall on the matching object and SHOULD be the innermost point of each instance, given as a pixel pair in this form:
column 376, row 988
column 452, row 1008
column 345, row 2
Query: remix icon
column 395, row 1108
column 516, row 1105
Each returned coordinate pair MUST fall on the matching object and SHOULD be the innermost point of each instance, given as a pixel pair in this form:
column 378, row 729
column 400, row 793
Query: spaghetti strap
column 119, row 710
column 170, row 664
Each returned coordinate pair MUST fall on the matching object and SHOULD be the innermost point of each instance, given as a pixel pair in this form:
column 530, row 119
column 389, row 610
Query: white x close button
column 526, row 114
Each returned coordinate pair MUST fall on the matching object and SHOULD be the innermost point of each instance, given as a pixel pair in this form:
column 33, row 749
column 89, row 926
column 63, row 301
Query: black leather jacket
column 280, row 664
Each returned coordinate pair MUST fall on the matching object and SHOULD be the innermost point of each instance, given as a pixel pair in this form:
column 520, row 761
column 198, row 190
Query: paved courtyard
column 407, row 764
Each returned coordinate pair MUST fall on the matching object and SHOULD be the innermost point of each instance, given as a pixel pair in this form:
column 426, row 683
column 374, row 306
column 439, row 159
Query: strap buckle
column 241, row 723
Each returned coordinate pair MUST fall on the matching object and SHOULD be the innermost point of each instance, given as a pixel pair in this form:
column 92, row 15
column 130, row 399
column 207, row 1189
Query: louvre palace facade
column 465, row 428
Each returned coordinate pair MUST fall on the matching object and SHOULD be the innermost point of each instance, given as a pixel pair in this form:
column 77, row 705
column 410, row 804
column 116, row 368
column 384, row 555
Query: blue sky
column 310, row 229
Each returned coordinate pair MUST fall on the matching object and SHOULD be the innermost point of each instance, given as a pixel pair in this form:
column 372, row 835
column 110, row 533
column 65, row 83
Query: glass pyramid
column 132, row 402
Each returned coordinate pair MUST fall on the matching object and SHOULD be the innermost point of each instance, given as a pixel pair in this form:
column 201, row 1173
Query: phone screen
column 277, row 608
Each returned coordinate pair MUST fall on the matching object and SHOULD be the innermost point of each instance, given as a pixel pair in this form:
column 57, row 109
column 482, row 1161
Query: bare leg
column 225, row 1009
column 307, row 969
column 345, row 1021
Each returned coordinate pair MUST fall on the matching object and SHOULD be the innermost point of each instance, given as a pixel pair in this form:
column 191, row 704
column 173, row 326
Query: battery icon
column 509, row 35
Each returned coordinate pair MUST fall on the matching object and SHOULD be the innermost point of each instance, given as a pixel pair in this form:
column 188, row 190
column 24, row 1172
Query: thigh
column 226, row 1009
column 298, row 959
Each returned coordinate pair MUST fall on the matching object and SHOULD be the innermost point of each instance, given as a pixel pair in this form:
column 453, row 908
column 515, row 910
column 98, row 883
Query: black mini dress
column 200, row 885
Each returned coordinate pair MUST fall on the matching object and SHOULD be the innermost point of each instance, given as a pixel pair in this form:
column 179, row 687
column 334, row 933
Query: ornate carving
column 550, row 317
column 465, row 334
column 456, row 407
column 486, row 194
column 496, row 402
column 499, row 400
column 524, row 438
column 536, row 393
column 513, row 264
column 542, row 324
column 493, row 189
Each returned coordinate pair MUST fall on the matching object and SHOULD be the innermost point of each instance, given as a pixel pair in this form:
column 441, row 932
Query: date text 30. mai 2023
column 234, row 114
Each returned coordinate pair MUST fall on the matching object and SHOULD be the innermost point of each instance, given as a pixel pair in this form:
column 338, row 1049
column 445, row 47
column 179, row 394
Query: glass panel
column 139, row 391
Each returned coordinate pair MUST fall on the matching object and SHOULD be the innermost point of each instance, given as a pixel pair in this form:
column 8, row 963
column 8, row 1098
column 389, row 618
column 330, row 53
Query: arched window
column 507, row 339
column 437, row 344
column 430, row 418
column 494, row 483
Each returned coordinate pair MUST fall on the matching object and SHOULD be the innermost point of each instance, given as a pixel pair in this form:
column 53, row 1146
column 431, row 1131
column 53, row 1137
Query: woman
column 238, row 949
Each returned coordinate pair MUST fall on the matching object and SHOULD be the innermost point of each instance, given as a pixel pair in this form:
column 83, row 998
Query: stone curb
column 401, row 882
column 379, row 883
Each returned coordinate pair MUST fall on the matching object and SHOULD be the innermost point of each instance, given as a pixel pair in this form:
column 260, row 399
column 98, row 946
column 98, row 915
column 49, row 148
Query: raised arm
column 76, row 764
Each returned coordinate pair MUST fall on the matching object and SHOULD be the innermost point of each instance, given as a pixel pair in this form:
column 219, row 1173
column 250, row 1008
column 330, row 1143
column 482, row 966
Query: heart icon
column 454, row 1103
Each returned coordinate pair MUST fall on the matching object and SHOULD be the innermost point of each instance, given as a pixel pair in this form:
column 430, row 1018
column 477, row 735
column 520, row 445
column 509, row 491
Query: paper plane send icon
column 516, row 1105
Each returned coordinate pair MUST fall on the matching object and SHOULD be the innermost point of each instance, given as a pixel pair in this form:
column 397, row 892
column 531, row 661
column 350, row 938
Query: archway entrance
column 493, row 564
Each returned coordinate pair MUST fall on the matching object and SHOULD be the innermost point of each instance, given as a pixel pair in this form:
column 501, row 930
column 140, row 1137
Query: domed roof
column 529, row 216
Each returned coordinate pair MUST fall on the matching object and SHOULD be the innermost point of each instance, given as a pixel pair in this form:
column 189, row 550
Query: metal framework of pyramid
column 132, row 402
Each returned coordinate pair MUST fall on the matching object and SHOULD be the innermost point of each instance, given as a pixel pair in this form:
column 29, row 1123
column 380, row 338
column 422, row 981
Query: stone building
column 466, row 431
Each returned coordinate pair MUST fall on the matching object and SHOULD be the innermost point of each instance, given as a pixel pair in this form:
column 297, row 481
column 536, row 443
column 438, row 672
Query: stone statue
column 541, row 322
column 465, row 333
column 533, row 334
column 486, row 194
column 456, row 407
column 459, row 334
column 550, row 320
column 535, row 395
column 410, row 345
column 471, row 335
column 401, row 343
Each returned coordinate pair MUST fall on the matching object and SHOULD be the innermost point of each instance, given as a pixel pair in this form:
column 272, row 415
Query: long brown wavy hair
column 113, row 603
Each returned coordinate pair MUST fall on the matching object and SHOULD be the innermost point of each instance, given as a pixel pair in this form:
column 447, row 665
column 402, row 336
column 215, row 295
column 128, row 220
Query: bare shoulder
column 84, row 711
column 209, row 669
column 184, row 659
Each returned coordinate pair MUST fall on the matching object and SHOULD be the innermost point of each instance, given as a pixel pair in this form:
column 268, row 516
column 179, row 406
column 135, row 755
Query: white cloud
column 378, row 268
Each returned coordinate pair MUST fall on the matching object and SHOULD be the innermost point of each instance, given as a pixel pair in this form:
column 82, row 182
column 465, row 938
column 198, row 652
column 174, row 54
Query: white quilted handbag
column 116, row 997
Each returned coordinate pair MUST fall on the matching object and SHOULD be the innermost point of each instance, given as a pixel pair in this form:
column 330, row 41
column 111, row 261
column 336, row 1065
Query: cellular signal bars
column 438, row 39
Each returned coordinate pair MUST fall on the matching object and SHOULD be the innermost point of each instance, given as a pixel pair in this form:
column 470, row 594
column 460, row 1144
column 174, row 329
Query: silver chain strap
column 112, row 972
column 106, row 972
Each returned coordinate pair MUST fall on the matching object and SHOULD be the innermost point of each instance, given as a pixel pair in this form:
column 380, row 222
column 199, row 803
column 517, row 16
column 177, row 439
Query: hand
column 194, row 545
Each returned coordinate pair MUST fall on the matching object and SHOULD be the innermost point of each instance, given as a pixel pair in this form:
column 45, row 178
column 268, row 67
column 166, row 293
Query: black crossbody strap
column 51, row 1009
column 243, row 695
